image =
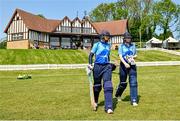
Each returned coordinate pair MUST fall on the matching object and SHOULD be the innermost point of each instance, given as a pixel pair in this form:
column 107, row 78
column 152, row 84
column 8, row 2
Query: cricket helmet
column 105, row 33
column 127, row 35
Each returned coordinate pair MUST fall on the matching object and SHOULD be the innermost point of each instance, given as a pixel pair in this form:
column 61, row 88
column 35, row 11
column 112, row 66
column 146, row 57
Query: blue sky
column 53, row 9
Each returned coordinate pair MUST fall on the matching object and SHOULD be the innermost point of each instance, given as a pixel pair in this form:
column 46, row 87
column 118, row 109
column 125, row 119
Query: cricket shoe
column 134, row 104
column 109, row 111
column 118, row 99
column 95, row 107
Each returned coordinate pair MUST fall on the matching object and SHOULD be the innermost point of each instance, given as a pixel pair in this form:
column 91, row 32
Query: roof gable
column 90, row 24
column 8, row 25
column 154, row 40
column 76, row 19
column 35, row 22
column 170, row 39
column 66, row 18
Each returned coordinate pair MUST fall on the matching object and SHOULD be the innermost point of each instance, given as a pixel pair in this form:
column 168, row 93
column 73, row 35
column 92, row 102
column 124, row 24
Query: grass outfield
column 32, row 56
column 64, row 94
column 70, row 56
column 150, row 55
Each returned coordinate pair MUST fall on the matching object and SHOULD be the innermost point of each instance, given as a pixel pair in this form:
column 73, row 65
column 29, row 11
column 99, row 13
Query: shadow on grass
column 128, row 98
column 114, row 103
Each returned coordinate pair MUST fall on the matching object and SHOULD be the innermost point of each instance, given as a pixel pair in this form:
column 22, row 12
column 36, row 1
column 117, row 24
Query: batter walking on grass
column 127, row 53
column 102, row 70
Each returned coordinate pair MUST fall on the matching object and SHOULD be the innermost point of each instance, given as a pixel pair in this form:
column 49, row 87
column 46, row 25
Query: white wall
column 116, row 40
column 17, row 26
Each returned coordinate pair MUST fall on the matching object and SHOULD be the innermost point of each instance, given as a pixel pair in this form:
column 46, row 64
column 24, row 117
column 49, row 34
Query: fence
column 76, row 66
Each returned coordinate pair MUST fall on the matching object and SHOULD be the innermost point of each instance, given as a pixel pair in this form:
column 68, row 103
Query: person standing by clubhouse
column 127, row 53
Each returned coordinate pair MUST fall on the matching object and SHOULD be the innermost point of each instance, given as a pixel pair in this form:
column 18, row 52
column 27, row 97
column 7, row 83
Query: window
column 54, row 42
column 17, row 36
column 76, row 29
column 66, row 29
column 87, row 30
column 86, row 42
column 65, row 43
column 20, row 36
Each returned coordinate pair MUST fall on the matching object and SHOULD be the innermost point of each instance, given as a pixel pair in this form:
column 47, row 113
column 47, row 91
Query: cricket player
column 127, row 53
column 102, row 70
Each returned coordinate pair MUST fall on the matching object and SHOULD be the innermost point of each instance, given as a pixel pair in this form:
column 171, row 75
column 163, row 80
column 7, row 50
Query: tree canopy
column 144, row 17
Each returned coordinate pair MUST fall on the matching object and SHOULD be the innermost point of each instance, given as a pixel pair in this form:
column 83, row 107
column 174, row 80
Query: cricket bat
column 90, row 79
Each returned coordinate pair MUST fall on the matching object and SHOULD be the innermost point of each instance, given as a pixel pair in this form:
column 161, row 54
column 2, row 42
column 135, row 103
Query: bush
column 3, row 44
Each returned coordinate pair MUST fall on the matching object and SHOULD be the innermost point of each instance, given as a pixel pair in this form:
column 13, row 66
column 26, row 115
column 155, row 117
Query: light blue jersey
column 127, row 50
column 102, row 51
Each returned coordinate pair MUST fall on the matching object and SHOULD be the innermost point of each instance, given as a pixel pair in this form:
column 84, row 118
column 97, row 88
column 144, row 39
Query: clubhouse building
column 26, row 30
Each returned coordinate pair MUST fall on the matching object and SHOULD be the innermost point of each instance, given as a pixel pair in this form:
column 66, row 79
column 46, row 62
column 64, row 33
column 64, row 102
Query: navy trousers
column 103, row 72
column 124, row 72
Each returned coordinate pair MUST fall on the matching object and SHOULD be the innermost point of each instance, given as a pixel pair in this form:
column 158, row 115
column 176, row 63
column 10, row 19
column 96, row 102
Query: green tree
column 144, row 11
column 41, row 15
column 121, row 10
column 103, row 12
column 144, row 16
column 168, row 15
column 3, row 44
column 161, row 36
column 177, row 30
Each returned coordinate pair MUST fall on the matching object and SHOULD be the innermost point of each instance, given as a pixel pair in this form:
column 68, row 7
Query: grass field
column 150, row 55
column 64, row 94
column 178, row 50
column 42, row 56
column 70, row 56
